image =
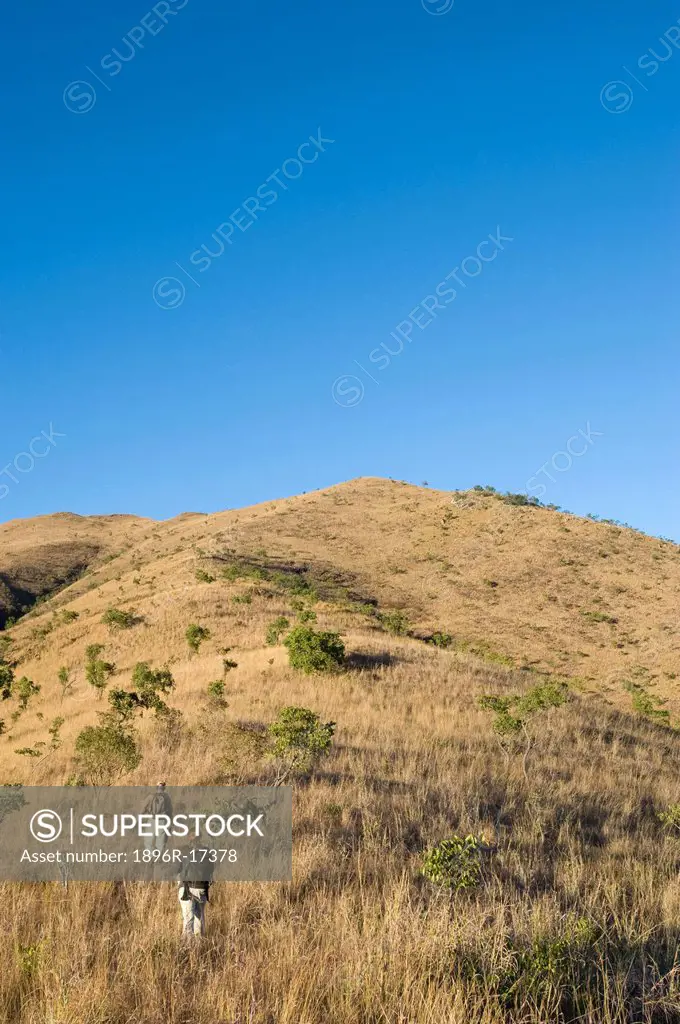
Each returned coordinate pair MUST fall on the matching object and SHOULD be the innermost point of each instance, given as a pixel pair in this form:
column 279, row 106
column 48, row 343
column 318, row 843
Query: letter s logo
column 46, row 826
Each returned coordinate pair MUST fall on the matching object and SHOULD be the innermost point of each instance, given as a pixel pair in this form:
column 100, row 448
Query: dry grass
column 577, row 914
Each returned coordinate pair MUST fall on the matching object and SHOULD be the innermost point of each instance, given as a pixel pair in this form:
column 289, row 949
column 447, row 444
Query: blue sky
column 450, row 122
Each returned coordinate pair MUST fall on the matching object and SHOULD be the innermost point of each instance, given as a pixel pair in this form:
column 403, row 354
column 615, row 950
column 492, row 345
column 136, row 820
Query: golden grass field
column 577, row 915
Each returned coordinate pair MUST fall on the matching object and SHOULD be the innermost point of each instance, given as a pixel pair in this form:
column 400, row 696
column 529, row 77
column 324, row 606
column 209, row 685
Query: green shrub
column 25, row 689
column 599, row 617
column 670, row 818
column 204, row 577
column 105, row 752
column 455, row 863
column 158, row 680
column 216, row 699
column 647, row 704
column 514, row 711
column 520, row 499
column 68, row 615
column 311, row 651
column 116, row 618
column 394, row 622
column 97, row 671
column 64, row 678
column 441, row 639
column 275, row 630
column 149, row 684
column 36, row 751
column 195, row 635
column 6, row 681
column 300, row 740
column 54, row 731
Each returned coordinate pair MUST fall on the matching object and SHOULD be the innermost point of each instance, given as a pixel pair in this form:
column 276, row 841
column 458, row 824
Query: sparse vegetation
column 276, row 629
column 97, row 671
column 566, row 912
column 442, row 640
column 648, row 704
column 65, row 683
column 24, row 690
column 216, row 699
column 116, row 618
column 204, row 577
column 394, row 622
column 195, row 635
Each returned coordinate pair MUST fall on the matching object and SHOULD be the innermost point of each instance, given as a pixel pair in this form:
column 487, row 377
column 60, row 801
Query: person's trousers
column 193, row 918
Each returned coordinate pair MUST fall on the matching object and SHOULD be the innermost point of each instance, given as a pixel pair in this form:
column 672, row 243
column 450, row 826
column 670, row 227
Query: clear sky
column 131, row 135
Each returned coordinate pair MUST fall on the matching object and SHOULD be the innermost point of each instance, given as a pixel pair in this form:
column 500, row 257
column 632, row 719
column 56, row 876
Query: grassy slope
column 358, row 937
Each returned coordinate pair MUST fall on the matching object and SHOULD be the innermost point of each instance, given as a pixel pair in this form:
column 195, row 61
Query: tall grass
column 577, row 916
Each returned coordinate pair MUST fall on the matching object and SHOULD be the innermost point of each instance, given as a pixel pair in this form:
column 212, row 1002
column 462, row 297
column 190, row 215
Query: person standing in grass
column 193, row 896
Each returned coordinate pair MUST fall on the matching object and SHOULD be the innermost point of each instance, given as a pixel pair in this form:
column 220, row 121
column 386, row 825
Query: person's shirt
column 195, row 879
column 159, row 803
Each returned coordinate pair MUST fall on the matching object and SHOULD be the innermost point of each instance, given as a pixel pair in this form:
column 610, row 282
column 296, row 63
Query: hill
column 441, row 599
column 521, row 586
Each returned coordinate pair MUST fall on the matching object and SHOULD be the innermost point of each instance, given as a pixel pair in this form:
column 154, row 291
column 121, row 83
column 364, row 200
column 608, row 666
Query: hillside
column 574, row 916
column 520, row 586
column 40, row 556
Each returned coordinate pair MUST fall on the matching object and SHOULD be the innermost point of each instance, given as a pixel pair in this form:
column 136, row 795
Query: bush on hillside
column 116, row 618
column 6, row 681
column 395, row 622
column 275, row 630
column 104, row 753
column 25, row 689
column 195, row 635
column 97, row 671
column 300, row 740
column 312, row 651
column 514, row 711
column 204, row 577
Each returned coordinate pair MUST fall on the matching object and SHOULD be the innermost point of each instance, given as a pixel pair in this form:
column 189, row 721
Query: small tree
column 65, row 683
column 275, row 630
column 149, row 684
column 159, row 680
column 195, row 635
column 216, row 701
column 26, row 689
column 105, row 752
column 300, row 740
column 312, row 651
column 54, row 731
column 6, row 681
column 514, row 712
column 97, row 671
